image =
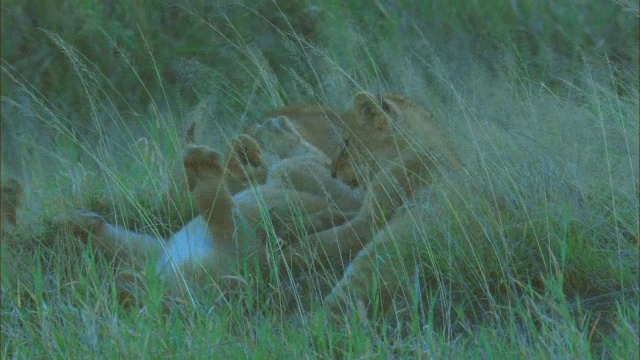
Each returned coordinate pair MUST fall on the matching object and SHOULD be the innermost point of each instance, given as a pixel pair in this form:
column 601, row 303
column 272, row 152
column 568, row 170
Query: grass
column 532, row 251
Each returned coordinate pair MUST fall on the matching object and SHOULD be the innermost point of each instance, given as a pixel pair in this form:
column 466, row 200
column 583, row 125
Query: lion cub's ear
column 371, row 111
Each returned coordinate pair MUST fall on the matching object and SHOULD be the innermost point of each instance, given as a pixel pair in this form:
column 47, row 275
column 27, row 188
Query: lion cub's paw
column 201, row 162
column 245, row 151
column 201, row 158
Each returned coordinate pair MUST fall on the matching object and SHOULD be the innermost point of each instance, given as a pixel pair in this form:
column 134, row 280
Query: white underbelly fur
column 193, row 244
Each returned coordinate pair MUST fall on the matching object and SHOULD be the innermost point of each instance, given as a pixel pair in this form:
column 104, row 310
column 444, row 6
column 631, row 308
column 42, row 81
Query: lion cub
column 393, row 148
column 232, row 229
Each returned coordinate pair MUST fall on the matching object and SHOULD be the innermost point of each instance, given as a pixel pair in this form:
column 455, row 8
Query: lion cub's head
column 381, row 129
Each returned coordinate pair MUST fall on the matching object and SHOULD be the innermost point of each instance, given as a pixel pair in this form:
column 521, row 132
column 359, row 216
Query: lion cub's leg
column 244, row 163
column 381, row 271
column 384, row 196
column 311, row 177
column 112, row 239
column 338, row 245
column 208, row 186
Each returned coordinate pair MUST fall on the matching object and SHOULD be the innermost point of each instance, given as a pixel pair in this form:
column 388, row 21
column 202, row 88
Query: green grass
column 531, row 252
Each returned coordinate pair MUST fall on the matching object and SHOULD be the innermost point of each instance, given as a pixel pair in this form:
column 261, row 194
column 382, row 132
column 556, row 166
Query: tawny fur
column 233, row 228
column 386, row 145
column 393, row 148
